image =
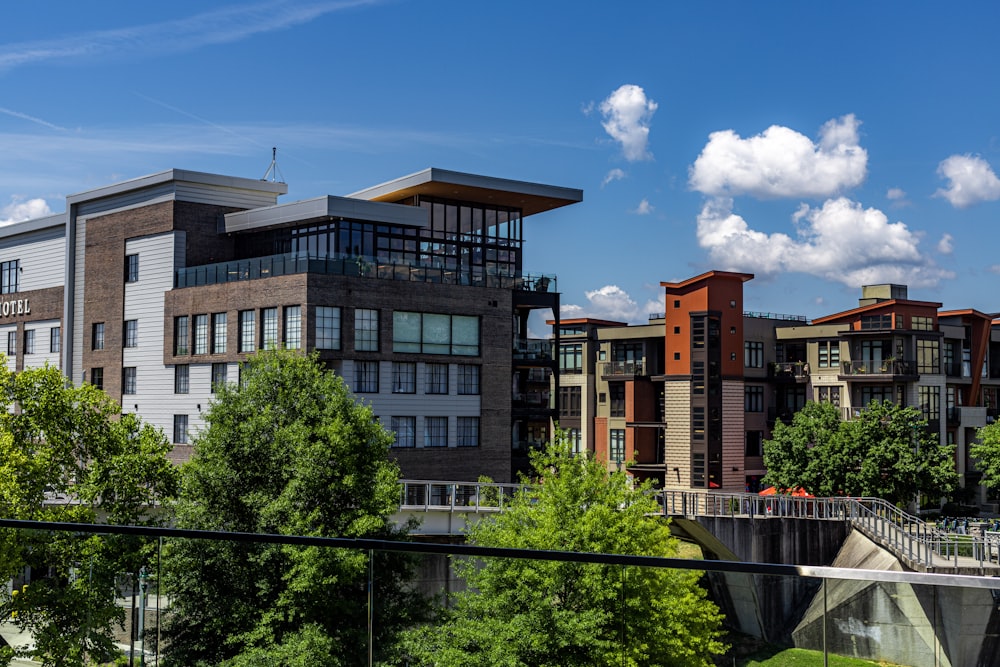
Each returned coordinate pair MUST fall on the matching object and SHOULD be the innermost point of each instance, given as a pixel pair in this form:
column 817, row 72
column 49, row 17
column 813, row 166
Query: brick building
column 155, row 289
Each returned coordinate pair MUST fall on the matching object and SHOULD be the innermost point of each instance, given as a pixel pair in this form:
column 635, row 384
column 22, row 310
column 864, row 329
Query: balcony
column 789, row 371
column 622, row 369
column 885, row 370
column 783, row 415
column 533, row 349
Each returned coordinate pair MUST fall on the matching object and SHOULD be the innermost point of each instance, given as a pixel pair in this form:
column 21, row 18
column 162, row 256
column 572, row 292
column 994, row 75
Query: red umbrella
column 769, row 491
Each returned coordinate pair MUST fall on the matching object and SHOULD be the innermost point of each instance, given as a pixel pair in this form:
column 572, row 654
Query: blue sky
column 820, row 146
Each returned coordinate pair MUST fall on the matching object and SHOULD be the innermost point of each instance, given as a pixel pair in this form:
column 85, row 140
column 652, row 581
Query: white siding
column 42, row 354
column 41, row 258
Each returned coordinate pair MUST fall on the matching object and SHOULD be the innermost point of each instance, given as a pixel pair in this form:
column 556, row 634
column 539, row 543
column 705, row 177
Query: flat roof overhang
column 530, row 198
column 324, row 208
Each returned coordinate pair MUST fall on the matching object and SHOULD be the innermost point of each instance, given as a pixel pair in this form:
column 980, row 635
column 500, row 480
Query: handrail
column 907, row 536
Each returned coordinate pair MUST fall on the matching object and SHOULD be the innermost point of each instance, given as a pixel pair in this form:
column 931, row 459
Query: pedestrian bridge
column 445, row 508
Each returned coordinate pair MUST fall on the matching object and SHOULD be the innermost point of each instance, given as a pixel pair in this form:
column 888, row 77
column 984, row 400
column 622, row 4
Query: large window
column 569, row 401
column 219, row 373
column 29, row 341
column 269, row 328
column 468, row 432
column 468, row 380
column 927, row 357
column 293, row 327
column 201, row 334
column 930, row 402
column 753, row 354
column 366, row 377
column 55, row 340
column 617, row 392
column 131, row 333
column 404, row 377
column 829, row 354
column 430, row 333
column 829, row 395
column 248, row 331
column 436, row 378
column 435, row 431
column 876, row 322
column 365, row 330
column 753, row 398
column 327, row 328
column 405, row 429
column 180, row 429
column 181, row 379
column 97, row 337
column 918, row 323
column 571, row 358
column 131, row 268
column 97, row 377
column 181, row 335
column 128, row 380
column 219, row 333
column 616, row 444
column 9, row 273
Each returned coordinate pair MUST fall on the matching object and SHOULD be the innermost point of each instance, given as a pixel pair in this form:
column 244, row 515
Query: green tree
column 987, row 455
column 68, row 454
column 886, row 452
column 286, row 451
column 530, row 612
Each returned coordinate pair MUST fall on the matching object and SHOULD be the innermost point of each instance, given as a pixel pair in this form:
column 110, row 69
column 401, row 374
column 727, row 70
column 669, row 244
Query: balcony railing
column 622, row 369
column 884, row 367
column 790, row 370
column 533, row 348
column 365, row 267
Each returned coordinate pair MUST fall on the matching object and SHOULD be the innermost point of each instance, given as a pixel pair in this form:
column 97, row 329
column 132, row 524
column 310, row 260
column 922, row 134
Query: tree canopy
column 530, row 612
column 285, row 451
column 886, row 452
column 67, row 454
column 987, row 455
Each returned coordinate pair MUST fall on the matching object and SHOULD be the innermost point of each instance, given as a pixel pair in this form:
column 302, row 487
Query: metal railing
column 622, row 368
column 908, row 537
column 884, row 367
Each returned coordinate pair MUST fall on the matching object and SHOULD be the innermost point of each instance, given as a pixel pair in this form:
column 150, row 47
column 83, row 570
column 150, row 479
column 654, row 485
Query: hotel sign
column 14, row 307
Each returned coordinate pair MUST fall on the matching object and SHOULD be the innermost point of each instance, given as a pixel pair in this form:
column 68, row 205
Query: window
column 575, row 440
column 922, row 323
column 569, row 401
column 293, row 327
column 365, row 330
column 468, row 380
column 366, row 377
column 829, row 395
column 219, row 333
column 269, row 328
column 430, row 333
column 181, row 375
column 927, row 357
column 468, row 432
column 753, row 354
column 617, row 391
column 436, row 378
column 97, row 341
column 181, row 335
column 55, row 342
column 571, row 358
column 201, row 334
column 131, row 333
column 327, row 328
column 29, row 341
column 97, row 377
column 753, row 398
column 870, row 322
column 405, row 429
column 181, row 429
column 9, row 273
column 435, row 431
column 128, row 380
column 754, row 443
column 219, row 371
column 930, row 402
column 829, row 354
column 131, row 268
column 404, row 377
column 248, row 331
column 617, row 445
column 11, row 343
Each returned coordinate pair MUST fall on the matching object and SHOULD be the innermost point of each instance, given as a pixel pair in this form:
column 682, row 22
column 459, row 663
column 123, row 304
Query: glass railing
column 365, row 267
column 887, row 616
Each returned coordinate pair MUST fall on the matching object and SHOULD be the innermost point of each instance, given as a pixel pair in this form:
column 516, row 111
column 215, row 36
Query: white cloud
column 19, row 210
column 971, row 180
column 839, row 241
column 782, row 162
column 611, row 302
column 946, row 245
column 994, row 269
column 627, row 114
column 896, row 193
column 644, row 208
column 613, row 175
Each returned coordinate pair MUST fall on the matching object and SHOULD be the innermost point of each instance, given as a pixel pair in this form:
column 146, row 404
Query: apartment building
column 157, row 288
column 688, row 398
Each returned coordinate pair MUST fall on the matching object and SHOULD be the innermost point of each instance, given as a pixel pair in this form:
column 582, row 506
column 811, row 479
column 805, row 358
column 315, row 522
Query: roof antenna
column 272, row 171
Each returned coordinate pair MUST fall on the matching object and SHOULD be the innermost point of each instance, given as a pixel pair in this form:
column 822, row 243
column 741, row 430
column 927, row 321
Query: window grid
column 753, row 398
column 97, row 377
column 436, row 377
column 201, row 334
column 365, row 330
column 219, row 372
column 293, row 327
column 97, row 342
column 55, row 340
column 753, row 354
column 404, row 377
column 131, row 333
column 131, row 268
column 248, row 331
column 366, row 377
column 405, row 429
column 435, row 431
column 617, row 445
column 128, row 380
column 327, row 328
column 468, row 432
column 181, row 335
column 219, row 333
column 180, row 429
column 9, row 276
column 181, row 376
column 468, row 380
column 29, row 341
column 434, row 333
column 269, row 328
